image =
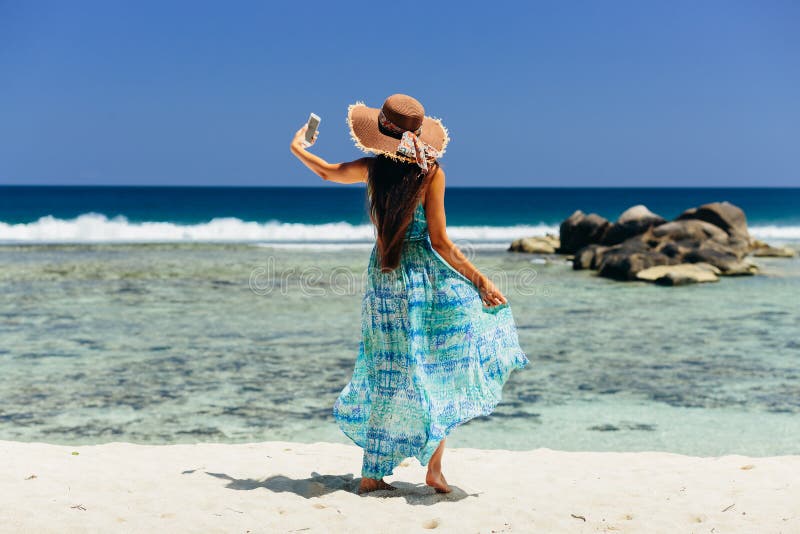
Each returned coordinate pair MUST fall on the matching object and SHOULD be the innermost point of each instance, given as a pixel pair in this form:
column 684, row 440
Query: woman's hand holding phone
column 307, row 135
column 299, row 140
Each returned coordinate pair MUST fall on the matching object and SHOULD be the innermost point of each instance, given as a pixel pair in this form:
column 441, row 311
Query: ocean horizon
column 335, row 214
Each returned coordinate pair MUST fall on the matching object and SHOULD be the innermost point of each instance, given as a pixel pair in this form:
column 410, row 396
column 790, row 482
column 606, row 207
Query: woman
column 438, row 338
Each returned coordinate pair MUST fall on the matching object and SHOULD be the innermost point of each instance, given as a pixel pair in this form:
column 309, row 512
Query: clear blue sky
column 616, row 93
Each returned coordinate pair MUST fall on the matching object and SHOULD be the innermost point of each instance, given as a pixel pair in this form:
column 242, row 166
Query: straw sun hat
column 399, row 130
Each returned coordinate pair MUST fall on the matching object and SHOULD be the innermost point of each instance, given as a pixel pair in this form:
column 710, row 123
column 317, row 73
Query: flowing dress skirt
column 431, row 357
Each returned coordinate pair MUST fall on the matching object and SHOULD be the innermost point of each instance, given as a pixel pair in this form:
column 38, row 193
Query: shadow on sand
column 318, row 485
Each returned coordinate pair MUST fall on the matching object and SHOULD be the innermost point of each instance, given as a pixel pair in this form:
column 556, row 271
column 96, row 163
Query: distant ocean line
column 60, row 214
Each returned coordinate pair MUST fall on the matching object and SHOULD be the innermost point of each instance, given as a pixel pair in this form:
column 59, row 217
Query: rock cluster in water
column 700, row 245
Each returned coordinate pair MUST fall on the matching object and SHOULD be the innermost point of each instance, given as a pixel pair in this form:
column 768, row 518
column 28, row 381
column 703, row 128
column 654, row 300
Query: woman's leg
column 435, row 478
column 371, row 484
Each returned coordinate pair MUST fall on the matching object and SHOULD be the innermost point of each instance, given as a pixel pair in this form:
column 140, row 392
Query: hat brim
column 363, row 123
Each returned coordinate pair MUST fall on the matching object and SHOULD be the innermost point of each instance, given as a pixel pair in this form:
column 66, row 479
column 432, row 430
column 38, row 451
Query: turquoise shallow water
column 202, row 342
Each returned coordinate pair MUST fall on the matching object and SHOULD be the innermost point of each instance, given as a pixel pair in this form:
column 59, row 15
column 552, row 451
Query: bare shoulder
column 365, row 162
column 434, row 191
column 436, row 184
column 434, row 209
column 361, row 164
column 350, row 172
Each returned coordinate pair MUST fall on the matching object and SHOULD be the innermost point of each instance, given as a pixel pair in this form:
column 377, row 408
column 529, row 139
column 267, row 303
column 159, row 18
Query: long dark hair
column 394, row 187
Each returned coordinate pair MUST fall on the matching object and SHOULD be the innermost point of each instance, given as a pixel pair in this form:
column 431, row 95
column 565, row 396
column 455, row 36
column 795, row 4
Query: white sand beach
column 292, row 487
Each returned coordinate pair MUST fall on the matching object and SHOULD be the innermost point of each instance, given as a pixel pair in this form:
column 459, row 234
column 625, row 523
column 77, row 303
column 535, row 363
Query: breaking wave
column 97, row 228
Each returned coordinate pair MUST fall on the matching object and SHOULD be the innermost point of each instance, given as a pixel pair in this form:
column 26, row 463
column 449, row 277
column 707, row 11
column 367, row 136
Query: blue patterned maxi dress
column 431, row 357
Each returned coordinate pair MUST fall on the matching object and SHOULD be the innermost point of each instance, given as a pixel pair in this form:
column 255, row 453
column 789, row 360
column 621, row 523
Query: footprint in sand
column 319, row 506
column 431, row 524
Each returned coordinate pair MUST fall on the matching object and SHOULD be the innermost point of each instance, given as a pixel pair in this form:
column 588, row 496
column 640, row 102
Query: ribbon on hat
column 410, row 144
column 413, row 147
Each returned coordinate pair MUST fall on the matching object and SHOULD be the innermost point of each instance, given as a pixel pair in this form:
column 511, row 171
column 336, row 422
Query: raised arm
column 349, row 172
column 437, row 228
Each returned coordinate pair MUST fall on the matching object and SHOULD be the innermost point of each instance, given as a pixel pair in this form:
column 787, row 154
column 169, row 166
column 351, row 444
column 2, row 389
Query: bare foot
column 371, row 484
column 437, row 482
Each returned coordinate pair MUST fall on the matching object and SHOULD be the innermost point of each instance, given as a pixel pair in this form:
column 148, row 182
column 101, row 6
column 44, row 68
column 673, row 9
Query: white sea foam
column 776, row 233
column 97, row 228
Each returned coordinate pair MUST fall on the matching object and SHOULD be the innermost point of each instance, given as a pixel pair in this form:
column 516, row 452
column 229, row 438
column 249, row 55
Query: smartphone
column 313, row 124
